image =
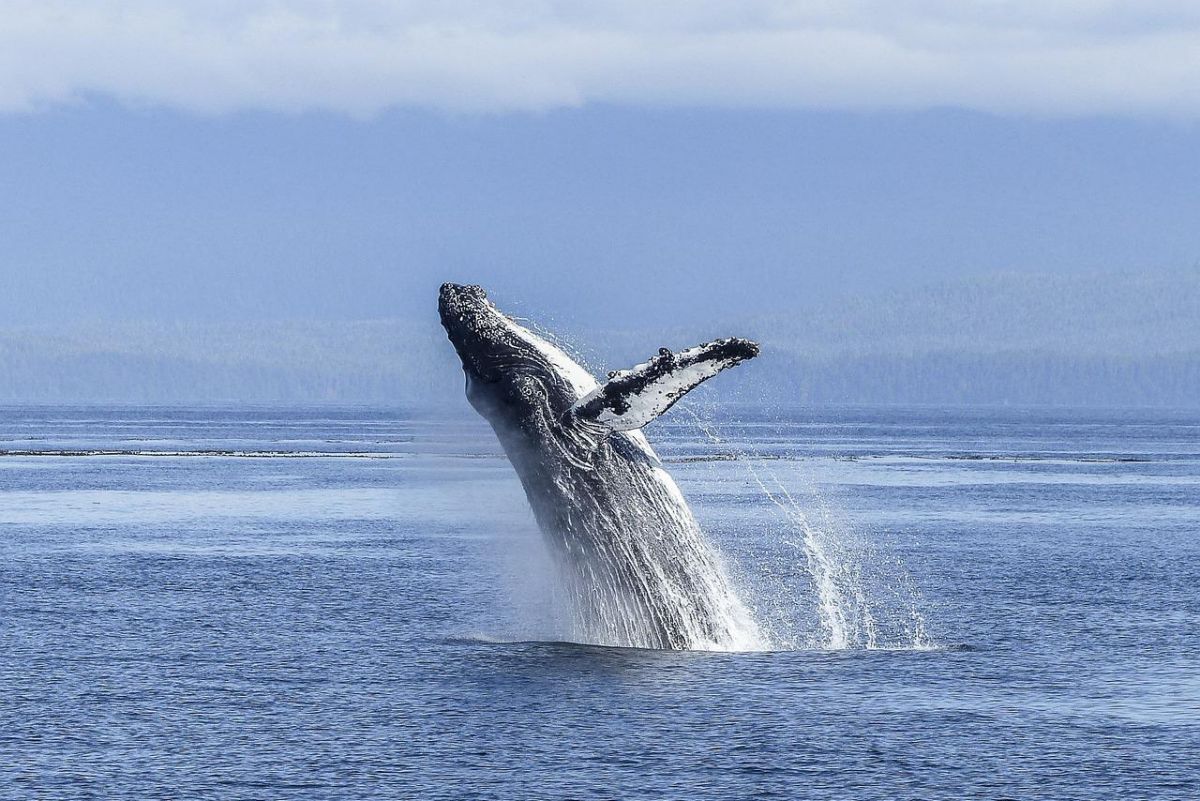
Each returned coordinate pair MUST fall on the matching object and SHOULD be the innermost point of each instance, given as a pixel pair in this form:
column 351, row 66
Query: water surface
column 354, row 603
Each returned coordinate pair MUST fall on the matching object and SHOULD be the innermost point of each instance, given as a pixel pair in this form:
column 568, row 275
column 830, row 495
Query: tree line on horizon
column 1114, row 340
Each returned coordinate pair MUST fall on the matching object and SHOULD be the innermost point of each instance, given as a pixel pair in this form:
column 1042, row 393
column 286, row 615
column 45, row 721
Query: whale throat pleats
column 632, row 398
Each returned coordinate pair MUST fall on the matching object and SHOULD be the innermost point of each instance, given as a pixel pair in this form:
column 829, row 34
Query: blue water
column 354, row 603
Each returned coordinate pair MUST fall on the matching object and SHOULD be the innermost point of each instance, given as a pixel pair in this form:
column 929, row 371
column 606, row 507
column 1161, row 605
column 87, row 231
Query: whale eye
column 612, row 373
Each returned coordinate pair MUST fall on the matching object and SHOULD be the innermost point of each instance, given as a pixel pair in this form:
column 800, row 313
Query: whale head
column 514, row 377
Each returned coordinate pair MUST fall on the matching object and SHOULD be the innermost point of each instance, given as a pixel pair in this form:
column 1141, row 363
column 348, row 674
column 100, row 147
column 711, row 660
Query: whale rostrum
column 636, row 566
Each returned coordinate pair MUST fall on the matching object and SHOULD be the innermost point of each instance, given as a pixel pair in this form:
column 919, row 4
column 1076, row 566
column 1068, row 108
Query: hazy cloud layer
column 361, row 56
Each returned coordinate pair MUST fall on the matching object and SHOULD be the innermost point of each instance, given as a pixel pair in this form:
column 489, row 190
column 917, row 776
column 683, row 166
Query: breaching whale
column 639, row 570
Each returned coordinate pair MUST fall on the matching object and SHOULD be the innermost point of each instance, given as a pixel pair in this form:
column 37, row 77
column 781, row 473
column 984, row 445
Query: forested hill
column 1101, row 339
column 1124, row 339
column 1115, row 314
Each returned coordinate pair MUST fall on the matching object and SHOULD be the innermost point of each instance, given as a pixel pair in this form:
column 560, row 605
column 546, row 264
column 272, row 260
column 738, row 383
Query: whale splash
column 820, row 583
column 638, row 569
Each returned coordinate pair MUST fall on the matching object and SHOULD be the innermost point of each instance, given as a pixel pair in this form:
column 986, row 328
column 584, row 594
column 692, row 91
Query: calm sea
column 355, row 603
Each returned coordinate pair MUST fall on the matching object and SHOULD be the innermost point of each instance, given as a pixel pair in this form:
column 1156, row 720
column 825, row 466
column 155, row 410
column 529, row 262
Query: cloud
column 362, row 56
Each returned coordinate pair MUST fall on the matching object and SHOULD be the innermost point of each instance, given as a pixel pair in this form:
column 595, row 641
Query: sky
column 364, row 56
column 603, row 161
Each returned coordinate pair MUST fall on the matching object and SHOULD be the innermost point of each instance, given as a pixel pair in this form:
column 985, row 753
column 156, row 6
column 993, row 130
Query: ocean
column 355, row 603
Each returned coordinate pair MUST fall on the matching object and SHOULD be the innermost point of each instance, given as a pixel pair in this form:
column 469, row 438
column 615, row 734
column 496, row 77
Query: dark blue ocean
column 356, row 604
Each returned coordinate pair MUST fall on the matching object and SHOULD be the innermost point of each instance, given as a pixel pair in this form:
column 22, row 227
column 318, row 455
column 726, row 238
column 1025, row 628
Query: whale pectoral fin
column 632, row 398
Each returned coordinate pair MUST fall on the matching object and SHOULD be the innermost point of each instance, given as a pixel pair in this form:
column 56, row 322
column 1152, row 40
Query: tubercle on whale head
column 474, row 326
column 452, row 294
column 461, row 306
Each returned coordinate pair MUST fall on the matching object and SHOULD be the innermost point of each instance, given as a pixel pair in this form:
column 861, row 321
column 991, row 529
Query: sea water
column 356, row 603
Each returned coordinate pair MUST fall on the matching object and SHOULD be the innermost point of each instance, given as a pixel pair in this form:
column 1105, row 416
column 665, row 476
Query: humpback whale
column 638, row 568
